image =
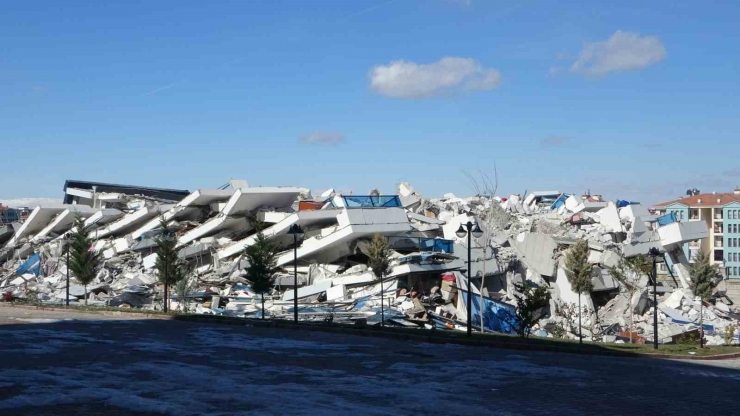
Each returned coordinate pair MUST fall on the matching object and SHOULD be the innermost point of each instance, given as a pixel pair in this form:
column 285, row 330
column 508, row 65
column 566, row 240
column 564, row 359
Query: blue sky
column 633, row 100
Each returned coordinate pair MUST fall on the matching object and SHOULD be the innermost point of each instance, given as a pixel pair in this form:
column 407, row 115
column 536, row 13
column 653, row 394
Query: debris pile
column 518, row 240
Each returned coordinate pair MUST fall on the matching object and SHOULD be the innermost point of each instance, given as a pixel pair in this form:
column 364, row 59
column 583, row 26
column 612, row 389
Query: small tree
column 83, row 260
column 578, row 271
column 703, row 280
column 170, row 269
column 496, row 220
column 184, row 287
column 628, row 273
column 262, row 256
column 529, row 305
column 379, row 253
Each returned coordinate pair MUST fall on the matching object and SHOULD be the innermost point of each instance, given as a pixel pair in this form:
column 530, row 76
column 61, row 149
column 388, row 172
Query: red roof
column 703, row 200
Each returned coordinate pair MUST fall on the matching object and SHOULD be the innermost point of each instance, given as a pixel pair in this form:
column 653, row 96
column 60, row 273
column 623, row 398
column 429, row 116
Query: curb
column 379, row 333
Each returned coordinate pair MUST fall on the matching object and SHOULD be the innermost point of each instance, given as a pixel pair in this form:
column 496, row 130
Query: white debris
column 522, row 240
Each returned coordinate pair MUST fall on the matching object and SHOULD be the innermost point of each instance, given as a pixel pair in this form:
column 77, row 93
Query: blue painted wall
column 731, row 239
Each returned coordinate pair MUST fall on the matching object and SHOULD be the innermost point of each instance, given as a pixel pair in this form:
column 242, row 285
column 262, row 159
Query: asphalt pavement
column 64, row 363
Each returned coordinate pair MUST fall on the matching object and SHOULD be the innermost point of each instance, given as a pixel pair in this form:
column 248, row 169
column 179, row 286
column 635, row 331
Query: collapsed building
column 523, row 239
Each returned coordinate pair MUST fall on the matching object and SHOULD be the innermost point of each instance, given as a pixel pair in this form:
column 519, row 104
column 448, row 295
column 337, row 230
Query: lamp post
column 167, row 237
column 654, row 253
column 467, row 229
column 296, row 231
column 68, row 240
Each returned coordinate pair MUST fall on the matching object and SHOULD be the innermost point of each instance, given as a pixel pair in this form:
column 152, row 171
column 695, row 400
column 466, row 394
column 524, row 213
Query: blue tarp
column 622, row 204
column 497, row 316
column 667, row 219
column 32, row 265
column 560, row 201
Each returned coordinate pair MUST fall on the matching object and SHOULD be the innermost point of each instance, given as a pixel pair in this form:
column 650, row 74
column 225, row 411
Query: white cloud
column 555, row 70
column 403, row 79
column 325, row 138
column 30, row 202
column 554, row 141
column 623, row 51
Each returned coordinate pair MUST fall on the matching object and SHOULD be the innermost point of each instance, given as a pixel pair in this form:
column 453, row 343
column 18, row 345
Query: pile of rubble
column 522, row 238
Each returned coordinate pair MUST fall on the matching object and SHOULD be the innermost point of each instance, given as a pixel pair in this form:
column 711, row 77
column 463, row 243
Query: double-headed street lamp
column 297, row 232
column 654, row 253
column 467, row 229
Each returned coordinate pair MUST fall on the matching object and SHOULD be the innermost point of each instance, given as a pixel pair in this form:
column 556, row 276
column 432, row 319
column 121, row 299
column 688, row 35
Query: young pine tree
column 578, row 271
column 183, row 288
column 528, row 306
column 379, row 253
column 628, row 273
column 703, row 280
column 262, row 256
column 83, row 260
column 170, row 269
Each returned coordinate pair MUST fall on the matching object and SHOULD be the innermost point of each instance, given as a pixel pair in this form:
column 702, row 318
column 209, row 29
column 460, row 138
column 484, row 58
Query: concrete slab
column 130, row 221
column 188, row 208
column 678, row 233
column 278, row 233
column 244, row 200
column 352, row 225
column 536, row 251
column 307, row 291
column 64, row 221
column 609, row 218
column 39, row 218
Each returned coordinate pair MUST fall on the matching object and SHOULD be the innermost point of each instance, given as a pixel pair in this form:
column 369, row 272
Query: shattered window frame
column 370, row 201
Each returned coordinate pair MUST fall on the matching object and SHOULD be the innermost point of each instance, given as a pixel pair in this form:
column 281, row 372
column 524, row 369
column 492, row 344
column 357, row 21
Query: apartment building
column 721, row 213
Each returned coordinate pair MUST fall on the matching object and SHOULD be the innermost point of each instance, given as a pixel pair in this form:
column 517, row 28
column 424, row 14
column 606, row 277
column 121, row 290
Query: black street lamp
column 167, row 236
column 654, row 253
column 296, row 231
column 68, row 240
column 477, row 233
